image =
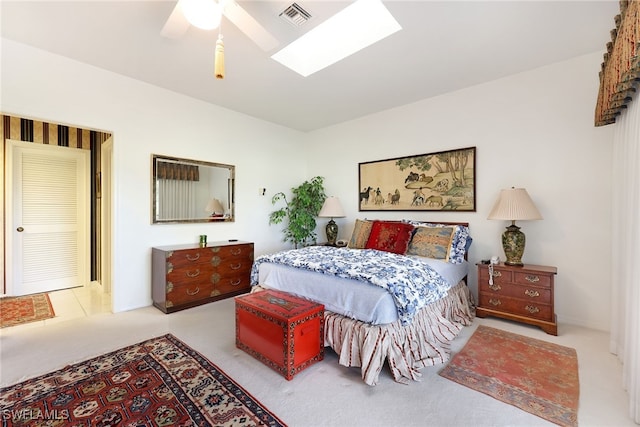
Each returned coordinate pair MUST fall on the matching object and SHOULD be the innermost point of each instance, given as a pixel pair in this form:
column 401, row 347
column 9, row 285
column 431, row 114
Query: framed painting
column 442, row 181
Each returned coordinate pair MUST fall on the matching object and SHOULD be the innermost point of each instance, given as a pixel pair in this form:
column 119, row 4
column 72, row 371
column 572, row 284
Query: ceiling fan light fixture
column 203, row 14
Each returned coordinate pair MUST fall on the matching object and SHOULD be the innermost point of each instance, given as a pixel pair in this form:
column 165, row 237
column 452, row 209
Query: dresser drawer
column 233, row 283
column 221, row 255
column 187, row 258
column 517, row 306
column 532, row 293
column 189, row 273
column 234, row 266
column 187, row 293
column 232, row 270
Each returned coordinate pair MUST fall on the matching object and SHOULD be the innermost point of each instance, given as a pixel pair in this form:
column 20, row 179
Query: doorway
column 39, row 133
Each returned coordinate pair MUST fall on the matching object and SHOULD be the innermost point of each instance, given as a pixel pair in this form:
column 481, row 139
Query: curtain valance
column 177, row 171
column 620, row 73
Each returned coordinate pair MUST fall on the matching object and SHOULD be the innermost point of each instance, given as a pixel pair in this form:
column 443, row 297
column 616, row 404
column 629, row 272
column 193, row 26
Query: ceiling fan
column 177, row 24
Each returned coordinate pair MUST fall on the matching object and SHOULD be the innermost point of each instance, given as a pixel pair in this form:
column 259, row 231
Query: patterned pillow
column 390, row 236
column 431, row 242
column 459, row 245
column 360, row 235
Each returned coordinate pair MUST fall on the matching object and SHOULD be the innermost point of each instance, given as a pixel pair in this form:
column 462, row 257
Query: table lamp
column 514, row 204
column 331, row 209
column 215, row 208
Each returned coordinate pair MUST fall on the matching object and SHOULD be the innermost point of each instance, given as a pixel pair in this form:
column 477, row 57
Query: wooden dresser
column 184, row 276
column 520, row 293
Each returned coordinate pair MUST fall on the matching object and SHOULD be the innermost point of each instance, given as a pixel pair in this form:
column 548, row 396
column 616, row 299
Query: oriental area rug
column 536, row 376
column 159, row 382
column 24, row 309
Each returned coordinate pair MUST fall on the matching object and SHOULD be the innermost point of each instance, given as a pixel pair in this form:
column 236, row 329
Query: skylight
column 359, row 25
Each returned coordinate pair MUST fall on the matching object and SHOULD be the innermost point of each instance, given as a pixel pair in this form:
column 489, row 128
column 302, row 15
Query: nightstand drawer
column 517, row 306
column 536, row 279
column 499, row 276
column 516, row 291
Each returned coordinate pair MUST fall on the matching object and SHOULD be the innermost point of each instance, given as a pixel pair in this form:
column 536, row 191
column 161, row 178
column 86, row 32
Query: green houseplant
column 300, row 212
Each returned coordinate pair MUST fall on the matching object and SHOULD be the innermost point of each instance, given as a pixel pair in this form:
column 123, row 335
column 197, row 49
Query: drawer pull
column 236, row 266
column 236, row 251
column 495, row 302
column 532, row 278
column 236, row 282
column 497, row 274
column 193, row 292
column 194, row 273
column 532, row 309
column 193, row 258
column 495, row 287
column 531, row 293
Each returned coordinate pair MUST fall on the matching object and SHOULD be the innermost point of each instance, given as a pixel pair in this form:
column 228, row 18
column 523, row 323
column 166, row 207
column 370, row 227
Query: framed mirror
column 191, row 191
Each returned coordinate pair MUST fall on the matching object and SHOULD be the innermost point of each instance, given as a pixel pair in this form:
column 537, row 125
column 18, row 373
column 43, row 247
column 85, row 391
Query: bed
column 396, row 293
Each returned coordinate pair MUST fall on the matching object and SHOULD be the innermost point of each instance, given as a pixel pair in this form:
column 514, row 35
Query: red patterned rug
column 158, row 382
column 25, row 309
column 533, row 375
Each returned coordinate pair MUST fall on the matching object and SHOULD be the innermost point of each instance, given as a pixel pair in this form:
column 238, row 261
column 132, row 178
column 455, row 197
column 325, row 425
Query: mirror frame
column 154, row 193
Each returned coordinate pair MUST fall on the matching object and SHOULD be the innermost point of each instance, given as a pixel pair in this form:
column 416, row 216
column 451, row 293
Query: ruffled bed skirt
column 407, row 348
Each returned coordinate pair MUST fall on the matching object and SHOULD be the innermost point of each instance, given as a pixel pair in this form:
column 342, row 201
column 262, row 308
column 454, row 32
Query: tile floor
column 73, row 303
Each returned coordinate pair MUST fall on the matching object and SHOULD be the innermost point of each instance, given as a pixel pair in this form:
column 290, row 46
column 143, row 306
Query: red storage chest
column 281, row 330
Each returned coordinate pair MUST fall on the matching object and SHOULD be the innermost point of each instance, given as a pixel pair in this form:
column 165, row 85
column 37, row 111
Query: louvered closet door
column 47, row 226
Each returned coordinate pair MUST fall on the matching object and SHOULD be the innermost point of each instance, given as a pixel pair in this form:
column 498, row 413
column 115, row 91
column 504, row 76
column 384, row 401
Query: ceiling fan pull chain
column 219, row 58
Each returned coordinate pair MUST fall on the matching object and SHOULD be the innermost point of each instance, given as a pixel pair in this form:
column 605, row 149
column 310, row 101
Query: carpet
column 159, row 382
column 24, row 309
column 536, row 376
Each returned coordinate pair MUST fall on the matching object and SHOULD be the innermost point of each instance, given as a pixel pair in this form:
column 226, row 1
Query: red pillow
column 390, row 236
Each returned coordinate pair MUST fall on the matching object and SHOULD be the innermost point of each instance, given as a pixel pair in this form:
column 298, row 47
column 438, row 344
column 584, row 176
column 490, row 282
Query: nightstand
column 520, row 293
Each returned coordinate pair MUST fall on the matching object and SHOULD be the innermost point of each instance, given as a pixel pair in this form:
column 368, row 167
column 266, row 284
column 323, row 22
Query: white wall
column 533, row 130
column 144, row 120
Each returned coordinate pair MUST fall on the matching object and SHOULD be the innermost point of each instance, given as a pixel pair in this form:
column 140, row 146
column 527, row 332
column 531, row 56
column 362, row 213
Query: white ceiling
column 443, row 46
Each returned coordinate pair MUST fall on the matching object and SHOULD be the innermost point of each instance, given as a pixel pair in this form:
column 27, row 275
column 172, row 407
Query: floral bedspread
column 411, row 283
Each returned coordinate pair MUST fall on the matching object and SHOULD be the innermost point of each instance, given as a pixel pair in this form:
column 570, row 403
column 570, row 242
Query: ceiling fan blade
column 176, row 25
column 248, row 25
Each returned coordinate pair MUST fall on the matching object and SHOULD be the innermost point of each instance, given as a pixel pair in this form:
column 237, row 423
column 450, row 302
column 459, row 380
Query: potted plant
column 301, row 211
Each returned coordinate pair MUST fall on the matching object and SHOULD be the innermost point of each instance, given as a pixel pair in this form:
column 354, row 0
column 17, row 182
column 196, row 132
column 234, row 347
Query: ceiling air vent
column 295, row 15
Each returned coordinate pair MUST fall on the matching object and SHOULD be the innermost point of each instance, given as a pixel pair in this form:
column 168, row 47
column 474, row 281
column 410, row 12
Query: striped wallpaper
column 21, row 129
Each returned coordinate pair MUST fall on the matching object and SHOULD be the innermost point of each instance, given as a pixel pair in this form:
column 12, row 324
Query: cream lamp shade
column 514, row 204
column 331, row 209
column 215, row 208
